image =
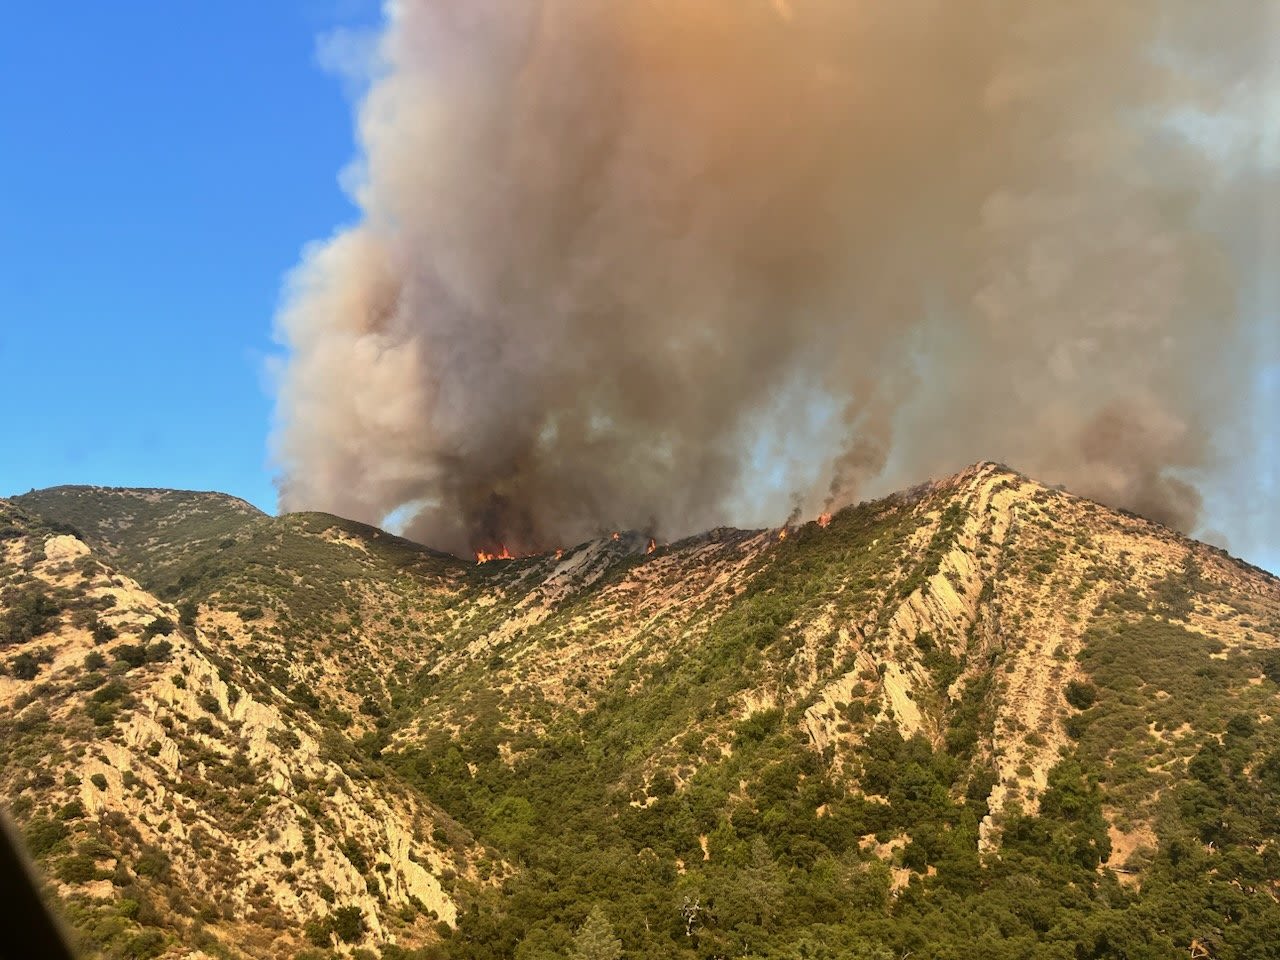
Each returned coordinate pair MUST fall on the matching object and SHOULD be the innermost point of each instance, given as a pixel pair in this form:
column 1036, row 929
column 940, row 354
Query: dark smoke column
column 608, row 248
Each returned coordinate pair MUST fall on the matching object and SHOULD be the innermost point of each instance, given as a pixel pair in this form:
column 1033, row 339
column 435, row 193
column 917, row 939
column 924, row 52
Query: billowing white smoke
column 605, row 245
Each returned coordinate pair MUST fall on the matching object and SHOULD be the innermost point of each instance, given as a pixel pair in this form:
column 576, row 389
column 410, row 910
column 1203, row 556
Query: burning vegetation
column 666, row 284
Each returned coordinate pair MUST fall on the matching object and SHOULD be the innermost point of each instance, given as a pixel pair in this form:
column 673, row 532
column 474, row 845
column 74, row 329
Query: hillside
column 165, row 788
column 154, row 534
column 982, row 717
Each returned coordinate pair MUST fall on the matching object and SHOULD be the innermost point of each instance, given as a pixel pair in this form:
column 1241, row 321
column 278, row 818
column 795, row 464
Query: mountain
column 151, row 533
column 981, row 717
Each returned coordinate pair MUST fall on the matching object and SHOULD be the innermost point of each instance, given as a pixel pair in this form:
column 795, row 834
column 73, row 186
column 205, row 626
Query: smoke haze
column 608, row 250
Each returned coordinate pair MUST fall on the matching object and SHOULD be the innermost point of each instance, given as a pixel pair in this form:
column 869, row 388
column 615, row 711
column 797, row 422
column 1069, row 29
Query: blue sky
column 163, row 164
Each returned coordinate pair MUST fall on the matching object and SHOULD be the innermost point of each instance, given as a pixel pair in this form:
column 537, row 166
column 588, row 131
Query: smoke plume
column 608, row 249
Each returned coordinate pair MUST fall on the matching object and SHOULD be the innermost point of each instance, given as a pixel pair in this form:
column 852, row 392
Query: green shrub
column 158, row 651
column 1081, row 695
column 318, row 932
column 105, row 701
column 44, row 836
column 144, row 946
column 759, row 726
column 351, row 850
column 24, row 667
column 662, row 785
column 71, row 811
column 102, row 714
column 134, row 654
column 159, row 626
column 103, row 632
column 31, row 612
column 349, row 924
column 78, row 868
column 154, row 863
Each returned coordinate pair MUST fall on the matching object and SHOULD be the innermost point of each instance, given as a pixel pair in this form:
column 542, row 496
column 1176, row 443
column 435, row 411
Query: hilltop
column 149, row 532
column 981, row 715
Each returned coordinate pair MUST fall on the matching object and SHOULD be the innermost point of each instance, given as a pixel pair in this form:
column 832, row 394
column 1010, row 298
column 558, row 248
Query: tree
column 1081, row 695
column 24, row 666
column 158, row 651
column 348, row 923
column 595, row 939
column 103, row 632
column 318, row 932
column 762, row 883
column 134, row 654
column 158, row 627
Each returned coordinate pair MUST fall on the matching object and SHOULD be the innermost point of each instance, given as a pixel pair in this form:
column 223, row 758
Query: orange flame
column 559, row 552
column 483, row 556
column 617, row 535
column 824, row 520
column 653, row 545
column 782, row 534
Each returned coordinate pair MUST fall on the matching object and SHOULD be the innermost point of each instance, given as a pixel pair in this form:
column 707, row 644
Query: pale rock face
column 416, row 880
column 64, row 547
column 944, row 607
column 898, row 684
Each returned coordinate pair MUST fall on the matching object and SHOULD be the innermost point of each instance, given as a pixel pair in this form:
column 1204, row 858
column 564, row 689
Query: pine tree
column 595, row 939
column 762, row 883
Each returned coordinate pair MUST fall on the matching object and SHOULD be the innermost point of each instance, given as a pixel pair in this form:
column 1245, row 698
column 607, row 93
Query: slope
column 152, row 533
column 979, row 715
column 175, row 797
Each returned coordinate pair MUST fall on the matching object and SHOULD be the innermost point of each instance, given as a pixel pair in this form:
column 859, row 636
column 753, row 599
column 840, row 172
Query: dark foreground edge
column 30, row 928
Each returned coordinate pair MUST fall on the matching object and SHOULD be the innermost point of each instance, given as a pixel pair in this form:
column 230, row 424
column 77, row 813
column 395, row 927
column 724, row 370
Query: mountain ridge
column 1000, row 644
column 38, row 500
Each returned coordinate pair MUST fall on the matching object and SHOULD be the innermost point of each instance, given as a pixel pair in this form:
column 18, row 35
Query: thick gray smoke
column 606, row 247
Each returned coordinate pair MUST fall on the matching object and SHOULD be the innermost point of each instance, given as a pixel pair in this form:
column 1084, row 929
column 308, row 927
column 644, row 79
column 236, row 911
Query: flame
column 483, row 556
column 824, row 520
column 653, row 545
column 617, row 535
column 782, row 534
column 559, row 552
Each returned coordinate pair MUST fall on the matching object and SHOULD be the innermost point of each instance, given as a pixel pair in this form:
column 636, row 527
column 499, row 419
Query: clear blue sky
column 161, row 165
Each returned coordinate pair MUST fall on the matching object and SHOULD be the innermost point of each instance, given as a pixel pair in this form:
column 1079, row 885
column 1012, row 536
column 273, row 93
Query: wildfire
column 824, row 520
column 653, row 545
column 616, row 535
column 484, row 556
column 559, row 552
column 782, row 534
